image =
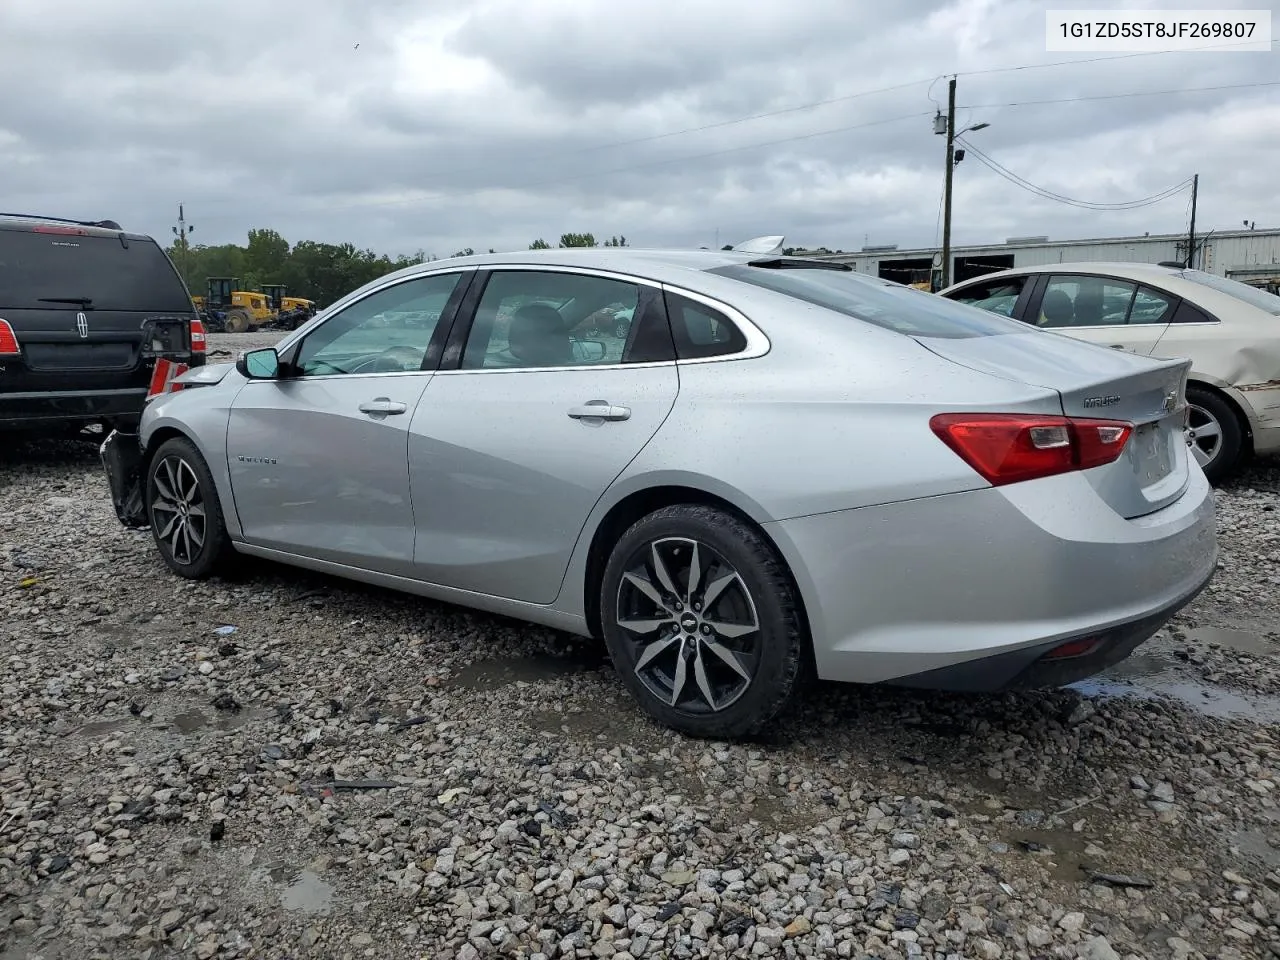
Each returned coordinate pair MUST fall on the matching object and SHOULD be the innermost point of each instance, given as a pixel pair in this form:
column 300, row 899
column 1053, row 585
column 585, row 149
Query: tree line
column 322, row 272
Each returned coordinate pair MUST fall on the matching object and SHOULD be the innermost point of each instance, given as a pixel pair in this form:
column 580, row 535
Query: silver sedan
column 778, row 469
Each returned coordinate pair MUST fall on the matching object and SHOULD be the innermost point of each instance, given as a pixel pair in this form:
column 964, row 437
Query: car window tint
column 893, row 306
column 699, row 331
column 36, row 266
column 533, row 318
column 1079, row 301
column 1187, row 313
column 998, row 296
column 385, row 332
column 1150, row 306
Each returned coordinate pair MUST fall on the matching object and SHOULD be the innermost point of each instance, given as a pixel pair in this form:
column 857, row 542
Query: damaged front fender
column 121, row 455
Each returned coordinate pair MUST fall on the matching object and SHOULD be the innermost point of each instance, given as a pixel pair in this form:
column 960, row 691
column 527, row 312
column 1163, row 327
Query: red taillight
column 1008, row 448
column 198, row 343
column 65, row 231
column 8, row 341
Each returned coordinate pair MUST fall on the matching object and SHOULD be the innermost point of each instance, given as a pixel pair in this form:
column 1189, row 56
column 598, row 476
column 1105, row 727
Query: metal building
column 1251, row 255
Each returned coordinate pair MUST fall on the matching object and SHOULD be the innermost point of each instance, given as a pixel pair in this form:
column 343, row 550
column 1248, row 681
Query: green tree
column 265, row 257
column 541, row 244
column 466, row 253
column 615, row 241
column 577, row 240
column 727, row 246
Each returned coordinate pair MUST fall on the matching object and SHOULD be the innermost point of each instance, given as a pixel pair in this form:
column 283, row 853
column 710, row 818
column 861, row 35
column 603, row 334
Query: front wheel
column 186, row 517
column 702, row 621
column 1217, row 438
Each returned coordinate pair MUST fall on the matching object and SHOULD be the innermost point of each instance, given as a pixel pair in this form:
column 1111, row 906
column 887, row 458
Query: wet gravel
column 284, row 765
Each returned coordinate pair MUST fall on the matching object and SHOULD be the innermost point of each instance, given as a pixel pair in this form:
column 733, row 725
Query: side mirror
column 589, row 351
column 259, row 364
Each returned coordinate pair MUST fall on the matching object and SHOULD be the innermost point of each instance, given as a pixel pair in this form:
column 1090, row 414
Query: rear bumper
column 35, row 409
column 970, row 590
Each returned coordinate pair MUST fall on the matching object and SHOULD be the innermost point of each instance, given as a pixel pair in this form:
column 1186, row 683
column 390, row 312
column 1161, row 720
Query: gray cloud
column 503, row 120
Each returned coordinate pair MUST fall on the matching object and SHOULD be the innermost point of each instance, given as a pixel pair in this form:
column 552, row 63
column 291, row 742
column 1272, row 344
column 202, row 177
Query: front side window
column 530, row 319
column 998, row 296
column 1078, row 301
column 386, row 332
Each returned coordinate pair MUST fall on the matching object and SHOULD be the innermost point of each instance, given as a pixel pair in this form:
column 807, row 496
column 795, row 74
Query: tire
column 754, row 586
column 1217, row 434
column 622, row 329
column 177, row 461
column 237, row 321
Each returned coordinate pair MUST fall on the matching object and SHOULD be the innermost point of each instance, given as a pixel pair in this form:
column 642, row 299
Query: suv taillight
column 198, row 342
column 8, row 341
column 1009, row 448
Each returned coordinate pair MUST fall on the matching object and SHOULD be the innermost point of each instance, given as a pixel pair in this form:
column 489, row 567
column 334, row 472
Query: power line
column 1085, row 204
column 1121, row 96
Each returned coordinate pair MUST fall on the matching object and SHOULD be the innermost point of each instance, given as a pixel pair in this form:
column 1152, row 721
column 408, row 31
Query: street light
column 952, row 160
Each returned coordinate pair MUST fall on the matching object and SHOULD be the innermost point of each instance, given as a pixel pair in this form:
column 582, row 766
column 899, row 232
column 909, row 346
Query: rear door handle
column 382, row 406
column 600, row 410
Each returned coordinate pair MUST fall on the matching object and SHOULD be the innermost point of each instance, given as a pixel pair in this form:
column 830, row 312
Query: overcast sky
column 402, row 125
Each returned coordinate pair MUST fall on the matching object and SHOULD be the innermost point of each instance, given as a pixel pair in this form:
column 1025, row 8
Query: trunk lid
column 1104, row 384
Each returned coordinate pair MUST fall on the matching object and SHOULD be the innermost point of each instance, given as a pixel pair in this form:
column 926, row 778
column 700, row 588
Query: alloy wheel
column 691, row 622
column 1206, row 435
column 178, row 509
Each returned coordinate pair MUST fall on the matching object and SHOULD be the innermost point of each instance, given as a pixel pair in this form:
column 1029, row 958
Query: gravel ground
column 284, row 765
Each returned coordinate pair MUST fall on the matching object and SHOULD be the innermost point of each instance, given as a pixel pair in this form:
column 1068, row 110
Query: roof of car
column 29, row 223
column 1117, row 268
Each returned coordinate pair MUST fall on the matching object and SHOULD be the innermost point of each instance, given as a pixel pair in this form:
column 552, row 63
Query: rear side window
column 893, row 306
column 39, row 268
column 1186, row 313
column 700, row 331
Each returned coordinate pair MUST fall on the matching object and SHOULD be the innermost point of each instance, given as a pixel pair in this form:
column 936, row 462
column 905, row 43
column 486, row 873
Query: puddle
column 190, row 721
column 504, row 671
column 101, row 728
column 1241, row 640
column 308, row 893
column 1152, row 678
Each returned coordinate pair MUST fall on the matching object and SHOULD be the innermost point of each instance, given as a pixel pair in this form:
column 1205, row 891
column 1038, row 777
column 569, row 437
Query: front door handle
column 600, row 410
column 382, row 406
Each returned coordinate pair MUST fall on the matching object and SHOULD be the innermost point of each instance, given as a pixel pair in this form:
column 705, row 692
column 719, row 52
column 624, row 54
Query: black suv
column 86, row 312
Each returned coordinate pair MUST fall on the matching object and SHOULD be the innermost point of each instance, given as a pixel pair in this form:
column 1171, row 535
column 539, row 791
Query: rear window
column 1254, row 296
column 893, row 306
column 37, row 267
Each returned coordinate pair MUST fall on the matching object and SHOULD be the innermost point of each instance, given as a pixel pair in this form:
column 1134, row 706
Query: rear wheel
column 702, row 622
column 237, row 321
column 186, row 517
column 1217, row 436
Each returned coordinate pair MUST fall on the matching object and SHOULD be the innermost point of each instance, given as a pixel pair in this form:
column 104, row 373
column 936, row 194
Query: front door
column 510, row 452
column 318, row 459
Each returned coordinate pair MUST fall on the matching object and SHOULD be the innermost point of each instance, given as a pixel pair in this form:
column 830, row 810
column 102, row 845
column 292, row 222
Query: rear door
column 85, row 306
column 1109, row 311
column 511, row 449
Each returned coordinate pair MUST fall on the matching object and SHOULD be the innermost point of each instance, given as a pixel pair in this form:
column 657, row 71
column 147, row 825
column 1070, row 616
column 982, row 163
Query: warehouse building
column 1249, row 255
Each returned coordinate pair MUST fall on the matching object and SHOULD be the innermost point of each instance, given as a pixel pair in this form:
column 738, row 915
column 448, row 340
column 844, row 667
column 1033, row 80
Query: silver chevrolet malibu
column 776, row 468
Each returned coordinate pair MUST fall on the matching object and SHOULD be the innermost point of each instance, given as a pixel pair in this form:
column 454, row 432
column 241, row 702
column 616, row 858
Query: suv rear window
column 36, row 267
column 893, row 306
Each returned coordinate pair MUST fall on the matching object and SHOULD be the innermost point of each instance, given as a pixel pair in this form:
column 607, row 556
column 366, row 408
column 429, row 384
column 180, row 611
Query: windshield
column 1253, row 296
column 893, row 306
column 39, row 267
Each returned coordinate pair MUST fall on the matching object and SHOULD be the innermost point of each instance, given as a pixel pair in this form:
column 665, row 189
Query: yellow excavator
column 287, row 312
column 225, row 307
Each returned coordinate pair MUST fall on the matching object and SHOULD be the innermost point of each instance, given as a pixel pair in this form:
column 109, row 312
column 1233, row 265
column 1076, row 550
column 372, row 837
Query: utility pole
column 1191, row 237
column 182, row 231
column 946, row 198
